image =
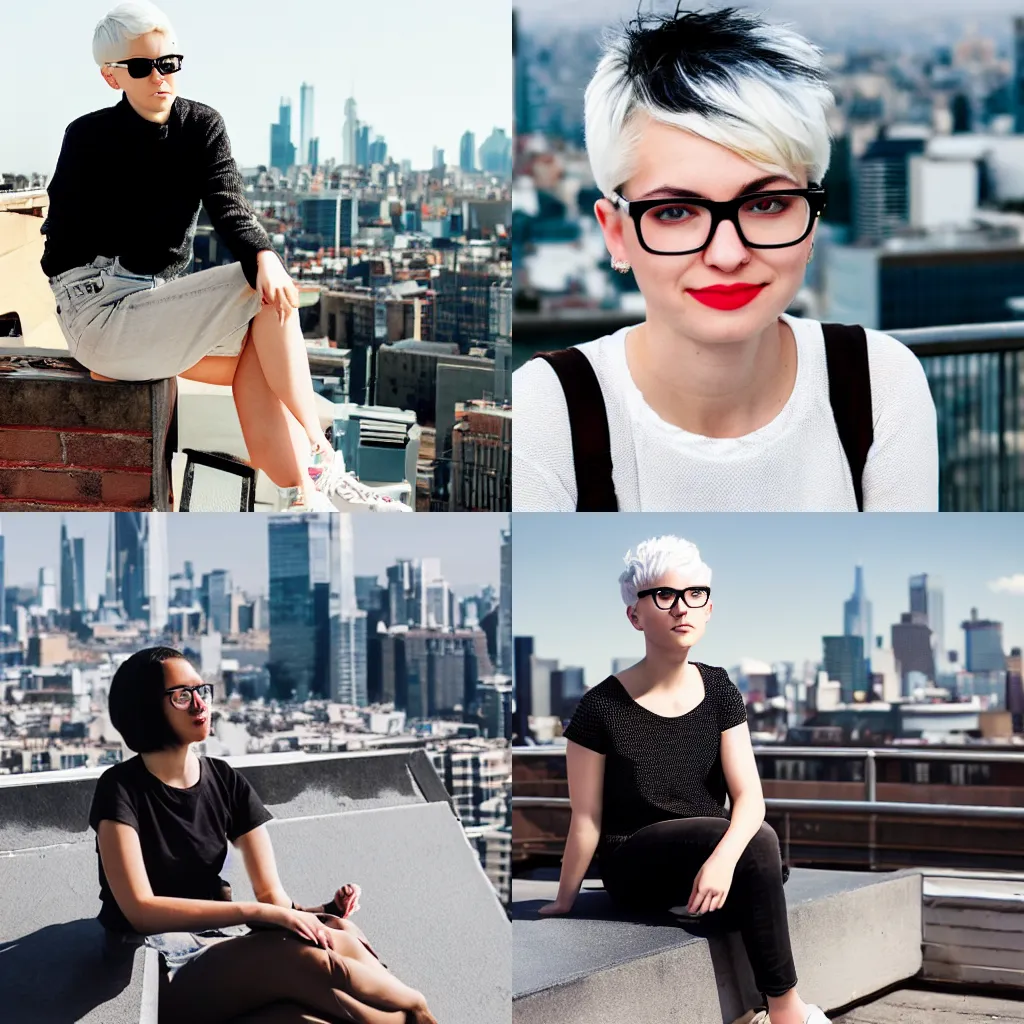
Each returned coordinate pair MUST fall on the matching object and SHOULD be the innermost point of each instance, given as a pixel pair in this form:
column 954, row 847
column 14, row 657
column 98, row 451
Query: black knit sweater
column 131, row 188
column 657, row 768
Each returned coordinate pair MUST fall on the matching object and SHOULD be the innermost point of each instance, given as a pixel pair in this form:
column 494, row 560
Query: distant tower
column 857, row 613
column 1018, row 75
column 348, row 134
column 305, row 124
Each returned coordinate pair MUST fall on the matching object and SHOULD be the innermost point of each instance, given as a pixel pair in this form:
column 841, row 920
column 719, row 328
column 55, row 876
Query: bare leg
column 282, row 354
column 273, row 438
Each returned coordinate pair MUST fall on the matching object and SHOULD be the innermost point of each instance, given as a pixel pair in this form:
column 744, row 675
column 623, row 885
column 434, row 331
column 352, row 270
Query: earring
column 622, row 266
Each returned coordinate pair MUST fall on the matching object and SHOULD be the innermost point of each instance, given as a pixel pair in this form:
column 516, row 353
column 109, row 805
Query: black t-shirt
column 183, row 833
column 128, row 187
column 657, row 768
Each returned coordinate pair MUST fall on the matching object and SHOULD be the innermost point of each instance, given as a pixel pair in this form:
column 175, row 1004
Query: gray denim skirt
column 141, row 327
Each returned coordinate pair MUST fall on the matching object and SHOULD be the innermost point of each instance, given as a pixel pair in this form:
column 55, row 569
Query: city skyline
column 469, row 548
column 341, row 52
column 979, row 559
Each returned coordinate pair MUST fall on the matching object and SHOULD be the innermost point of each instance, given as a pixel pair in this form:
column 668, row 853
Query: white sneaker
column 344, row 491
column 295, row 501
column 814, row 1016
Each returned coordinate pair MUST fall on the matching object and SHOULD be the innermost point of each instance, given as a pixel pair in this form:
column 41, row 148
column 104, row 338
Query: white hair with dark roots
column 657, row 556
column 113, row 36
column 758, row 89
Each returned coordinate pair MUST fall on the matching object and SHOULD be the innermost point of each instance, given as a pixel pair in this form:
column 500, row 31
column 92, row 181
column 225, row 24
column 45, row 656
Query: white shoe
column 295, row 501
column 814, row 1016
column 344, row 491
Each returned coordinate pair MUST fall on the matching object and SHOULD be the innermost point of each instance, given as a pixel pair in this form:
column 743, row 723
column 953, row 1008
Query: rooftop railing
column 976, row 376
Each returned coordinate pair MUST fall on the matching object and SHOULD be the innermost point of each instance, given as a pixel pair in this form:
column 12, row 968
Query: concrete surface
column 852, row 934
column 380, row 819
column 918, row 1006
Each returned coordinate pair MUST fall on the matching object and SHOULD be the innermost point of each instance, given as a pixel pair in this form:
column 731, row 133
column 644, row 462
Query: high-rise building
column 522, row 675
column 496, row 154
column 1018, row 75
column 845, row 662
column 882, row 188
column 522, row 93
column 349, row 681
column 306, row 124
column 78, row 554
column 348, row 134
column 217, row 585
column 467, row 152
column 110, row 596
column 3, row 591
column 282, row 149
column 68, row 575
column 304, row 644
column 505, row 606
column 314, row 152
column 912, row 646
column 926, row 603
column 857, row 614
column 47, row 590
column 376, row 151
column 363, row 145
column 983, row 645
column 334, row 221
column 140, row 572
column 437, row 160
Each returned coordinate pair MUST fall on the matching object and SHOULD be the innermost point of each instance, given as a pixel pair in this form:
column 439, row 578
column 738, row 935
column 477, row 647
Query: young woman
column 124, row 201
column 651, row 755
column 163, row 820
column 707, row 135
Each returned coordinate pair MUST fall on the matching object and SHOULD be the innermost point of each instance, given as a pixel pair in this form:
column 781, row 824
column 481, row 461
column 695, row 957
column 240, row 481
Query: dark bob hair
column 137, row 701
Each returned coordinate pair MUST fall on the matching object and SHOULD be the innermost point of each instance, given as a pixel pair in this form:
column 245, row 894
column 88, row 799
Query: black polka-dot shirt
column 657, row 768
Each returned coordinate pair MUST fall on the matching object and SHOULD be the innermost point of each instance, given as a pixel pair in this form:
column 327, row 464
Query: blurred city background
column 319, row 633
column 923, row 236
column 381, row 172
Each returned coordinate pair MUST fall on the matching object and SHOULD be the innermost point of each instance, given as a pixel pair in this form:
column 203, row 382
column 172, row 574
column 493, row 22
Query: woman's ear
column 611, row 225
column 634, row 621
column 108, row 77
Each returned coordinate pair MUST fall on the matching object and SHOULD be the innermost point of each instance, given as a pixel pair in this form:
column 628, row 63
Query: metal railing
column 976, row 376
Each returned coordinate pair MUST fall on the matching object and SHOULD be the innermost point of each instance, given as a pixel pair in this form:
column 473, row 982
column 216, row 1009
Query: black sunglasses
column 181, row 696
column 815, row 198
column 140, row 67
column 665, row 597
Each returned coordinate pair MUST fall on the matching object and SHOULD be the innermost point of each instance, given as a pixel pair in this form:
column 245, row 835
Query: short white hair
column 758, row 89
column 657, row 556
column 124, row 23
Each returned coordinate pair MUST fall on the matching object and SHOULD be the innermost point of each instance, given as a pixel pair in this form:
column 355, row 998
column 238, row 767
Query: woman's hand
column 306, row 926
column 274, row 285
column 711, row 886
column 554, row 909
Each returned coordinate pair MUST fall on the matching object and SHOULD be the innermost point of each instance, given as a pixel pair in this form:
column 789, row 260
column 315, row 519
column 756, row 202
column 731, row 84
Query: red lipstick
column 731, row 296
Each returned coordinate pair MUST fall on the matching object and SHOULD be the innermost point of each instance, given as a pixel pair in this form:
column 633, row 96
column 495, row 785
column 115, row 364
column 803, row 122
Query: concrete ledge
column 852, row 934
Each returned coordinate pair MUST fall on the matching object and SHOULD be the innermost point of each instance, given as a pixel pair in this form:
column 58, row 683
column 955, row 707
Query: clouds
column 1013, row 585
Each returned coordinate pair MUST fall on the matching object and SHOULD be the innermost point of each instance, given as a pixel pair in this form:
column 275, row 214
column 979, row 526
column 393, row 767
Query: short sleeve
column 246, row 811
column 587, row 726
column 113, row 800
column 731, row 708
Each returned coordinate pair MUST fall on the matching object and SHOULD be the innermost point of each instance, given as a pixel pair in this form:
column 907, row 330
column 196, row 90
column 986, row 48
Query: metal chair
column 217, row 482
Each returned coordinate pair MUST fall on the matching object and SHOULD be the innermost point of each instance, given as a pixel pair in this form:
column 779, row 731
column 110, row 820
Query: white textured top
column 793, row 463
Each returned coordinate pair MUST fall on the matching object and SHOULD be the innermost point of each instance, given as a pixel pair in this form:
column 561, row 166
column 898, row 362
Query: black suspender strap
column 849, row 392
column 588, row 422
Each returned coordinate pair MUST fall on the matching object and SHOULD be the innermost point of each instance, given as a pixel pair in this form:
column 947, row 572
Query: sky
column 468, row 545
column 421, row 73
column 779, row 580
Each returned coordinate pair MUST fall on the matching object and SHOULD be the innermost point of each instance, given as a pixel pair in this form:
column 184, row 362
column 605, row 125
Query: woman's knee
column 344, row 943
column 763, row 847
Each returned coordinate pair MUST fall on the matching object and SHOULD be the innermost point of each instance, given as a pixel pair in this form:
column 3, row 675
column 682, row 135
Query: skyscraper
column 67, row 569
column 317, row 632
column 505, row 606
column 467, row 152
column 1018, row 75
column 926, row 603
column 3, row 585
column 78, row 551
column 348, row 134
column 496, row 153
column 110, row 576
column 983, row 645
column 362, row 145
column 282, row 149
column 141, row 576
column 857, row 614
column 845, row 662
column 217, row 585
column 305, row 123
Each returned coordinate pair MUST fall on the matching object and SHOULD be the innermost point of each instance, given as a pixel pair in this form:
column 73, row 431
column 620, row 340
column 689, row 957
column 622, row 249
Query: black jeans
column 654, row 870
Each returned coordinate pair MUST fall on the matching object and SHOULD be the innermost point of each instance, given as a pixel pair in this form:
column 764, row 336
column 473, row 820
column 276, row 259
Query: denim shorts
column 179, row 948
column 141, row 327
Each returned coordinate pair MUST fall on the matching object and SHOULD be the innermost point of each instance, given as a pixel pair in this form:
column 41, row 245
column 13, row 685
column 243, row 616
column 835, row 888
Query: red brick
column 30, row 446
column 50, row 485
column 134, row 489
column 108, row 450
